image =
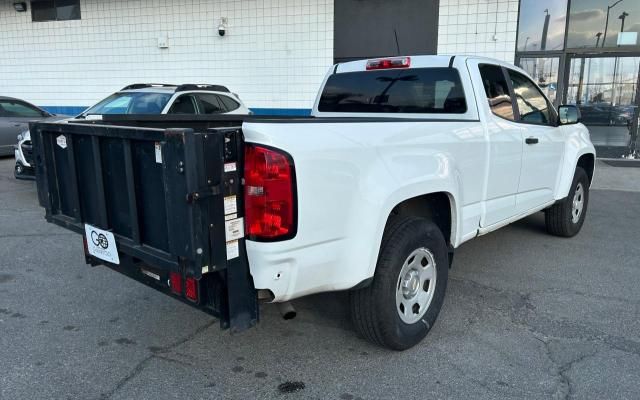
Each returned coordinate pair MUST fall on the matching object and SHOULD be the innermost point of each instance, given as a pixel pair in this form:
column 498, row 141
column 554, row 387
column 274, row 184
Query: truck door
column 543, row 144
column 505, row 143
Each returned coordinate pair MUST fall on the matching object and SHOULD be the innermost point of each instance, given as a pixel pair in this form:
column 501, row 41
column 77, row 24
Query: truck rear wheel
column 403, row 301
column 566, row 217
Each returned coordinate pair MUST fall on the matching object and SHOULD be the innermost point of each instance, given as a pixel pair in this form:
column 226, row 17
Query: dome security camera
column 222, row 30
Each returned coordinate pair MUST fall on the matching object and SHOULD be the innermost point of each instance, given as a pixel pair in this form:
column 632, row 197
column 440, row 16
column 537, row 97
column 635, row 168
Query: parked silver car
column 15, row 115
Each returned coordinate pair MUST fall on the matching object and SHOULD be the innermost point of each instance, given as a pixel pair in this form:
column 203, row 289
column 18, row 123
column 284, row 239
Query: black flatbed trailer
column 159, row 185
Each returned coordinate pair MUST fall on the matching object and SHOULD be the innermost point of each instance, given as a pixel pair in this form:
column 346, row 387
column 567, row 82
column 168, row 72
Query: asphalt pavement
column 527, row 315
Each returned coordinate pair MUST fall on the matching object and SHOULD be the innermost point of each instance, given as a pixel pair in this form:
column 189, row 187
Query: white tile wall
column 275, row 52
column 478, row 27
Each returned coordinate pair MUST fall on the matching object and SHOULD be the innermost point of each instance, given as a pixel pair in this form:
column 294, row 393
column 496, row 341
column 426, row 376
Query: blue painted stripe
column 64, row 110
column 296, row 112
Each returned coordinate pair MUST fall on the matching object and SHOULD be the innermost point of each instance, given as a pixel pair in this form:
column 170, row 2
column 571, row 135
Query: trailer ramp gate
column 172, row 198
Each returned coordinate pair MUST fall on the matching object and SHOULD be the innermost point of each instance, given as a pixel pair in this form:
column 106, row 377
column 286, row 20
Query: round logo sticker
column 99, row 239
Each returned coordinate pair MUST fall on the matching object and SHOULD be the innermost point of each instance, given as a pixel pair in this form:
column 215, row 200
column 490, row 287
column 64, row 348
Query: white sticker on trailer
column 158, row 153
column 234, row 229
column 230, row 205
column 233, row 249
column 62, row 141
column 101, row 244
column 230, row 167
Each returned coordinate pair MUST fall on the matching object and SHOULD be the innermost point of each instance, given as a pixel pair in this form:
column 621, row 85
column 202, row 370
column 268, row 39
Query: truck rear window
column 416, row 90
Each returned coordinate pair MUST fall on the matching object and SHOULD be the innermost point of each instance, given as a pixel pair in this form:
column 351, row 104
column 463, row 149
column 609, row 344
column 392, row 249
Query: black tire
column 373, row 308
column 559, row 219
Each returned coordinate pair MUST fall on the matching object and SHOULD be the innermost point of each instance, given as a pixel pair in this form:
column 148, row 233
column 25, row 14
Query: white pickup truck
column 403, row 160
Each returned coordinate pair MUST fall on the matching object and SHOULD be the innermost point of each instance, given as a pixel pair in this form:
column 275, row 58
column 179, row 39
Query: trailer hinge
column 204, row 193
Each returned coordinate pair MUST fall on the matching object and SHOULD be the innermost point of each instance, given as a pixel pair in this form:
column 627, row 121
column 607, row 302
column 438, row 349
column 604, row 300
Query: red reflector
column 175, row 280
column 269, row 197
column 191, row 289
column 388, row 63
column 86, row 245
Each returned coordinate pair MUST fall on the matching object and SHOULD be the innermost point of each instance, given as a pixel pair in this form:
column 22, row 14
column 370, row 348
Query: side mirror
column 568, row 114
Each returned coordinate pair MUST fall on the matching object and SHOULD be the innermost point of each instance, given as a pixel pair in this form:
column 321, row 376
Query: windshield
column 416, row 90
column 131, row 103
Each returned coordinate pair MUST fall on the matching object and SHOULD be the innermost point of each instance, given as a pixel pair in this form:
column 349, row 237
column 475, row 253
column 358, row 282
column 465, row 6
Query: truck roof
column 421, row 61
column 398, row 64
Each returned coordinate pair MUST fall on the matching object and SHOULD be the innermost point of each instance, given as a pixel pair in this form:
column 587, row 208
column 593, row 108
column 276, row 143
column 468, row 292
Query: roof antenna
column 397, row 44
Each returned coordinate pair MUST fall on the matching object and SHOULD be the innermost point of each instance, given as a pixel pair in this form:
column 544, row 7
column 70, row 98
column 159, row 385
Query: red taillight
column 269, row 197
column 191, row 289
column 388, row 63
column 175, row 280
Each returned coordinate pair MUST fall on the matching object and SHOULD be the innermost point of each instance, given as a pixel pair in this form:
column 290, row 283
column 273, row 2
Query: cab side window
column 532, row 105
column 497, row 91
column 184, row 104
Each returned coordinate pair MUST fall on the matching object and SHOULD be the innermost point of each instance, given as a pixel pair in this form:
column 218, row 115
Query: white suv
column 151, row 98
column 146, row 98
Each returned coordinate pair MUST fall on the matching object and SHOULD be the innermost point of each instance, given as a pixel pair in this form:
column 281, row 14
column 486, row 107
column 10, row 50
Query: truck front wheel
column 403, row 301
column 566, row 217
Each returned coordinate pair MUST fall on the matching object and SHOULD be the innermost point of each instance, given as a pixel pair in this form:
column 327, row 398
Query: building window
column 542, row 25
column 544, row 71
column 55, row 10
column 604, row 23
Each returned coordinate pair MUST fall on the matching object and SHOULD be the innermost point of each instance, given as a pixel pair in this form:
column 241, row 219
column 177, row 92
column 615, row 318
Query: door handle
column 531, row 140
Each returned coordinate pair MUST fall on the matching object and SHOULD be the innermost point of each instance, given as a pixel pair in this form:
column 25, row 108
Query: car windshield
column 131, row 103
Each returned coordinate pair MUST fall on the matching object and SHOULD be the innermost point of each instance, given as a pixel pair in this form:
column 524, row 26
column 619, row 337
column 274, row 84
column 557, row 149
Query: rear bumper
column 290, row 271
column 23, row 169
column 24, row 161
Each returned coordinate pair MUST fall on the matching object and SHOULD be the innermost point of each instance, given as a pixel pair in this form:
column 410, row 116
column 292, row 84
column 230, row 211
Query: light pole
column 598, row 38
column 535, row 59
column 606, row 24
column 545, row 30
column 622, row 17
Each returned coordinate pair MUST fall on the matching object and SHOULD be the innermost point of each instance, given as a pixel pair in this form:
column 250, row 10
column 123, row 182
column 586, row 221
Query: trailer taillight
column 389, row 63
column 270, row 203
column 191, row 289
column 175, row 281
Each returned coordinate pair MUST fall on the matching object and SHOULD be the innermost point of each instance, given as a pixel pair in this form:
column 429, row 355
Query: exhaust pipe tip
column 289, row 315
column 286, row 310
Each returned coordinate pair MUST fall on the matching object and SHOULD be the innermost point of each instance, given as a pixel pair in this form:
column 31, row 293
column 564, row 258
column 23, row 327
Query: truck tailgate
column 171, row 198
